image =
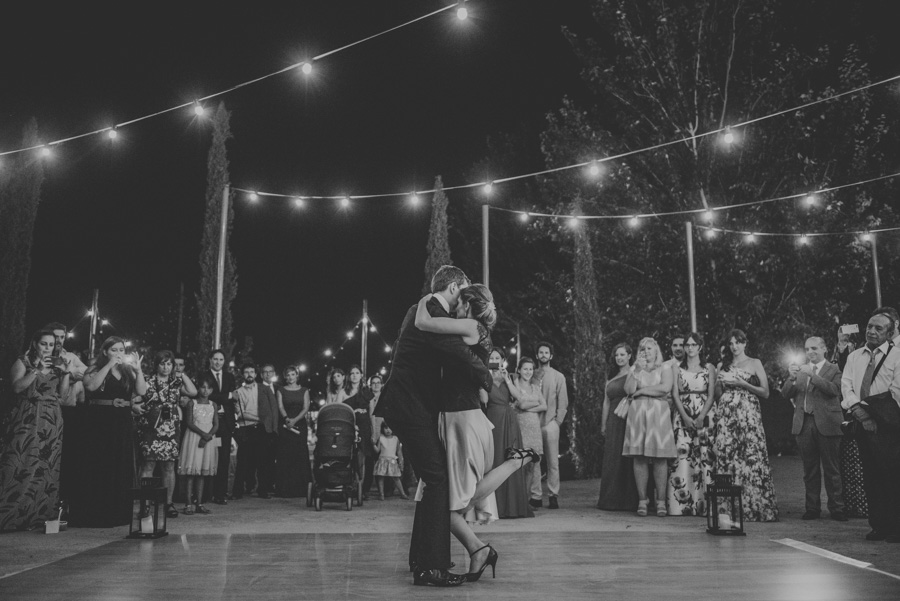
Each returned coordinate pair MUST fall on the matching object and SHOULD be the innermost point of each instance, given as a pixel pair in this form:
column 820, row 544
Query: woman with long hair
column 649, row 438
column 618, row 491
column 357, row 396
column 740, row 442
column 693, row 392
column 335, row 387
column 30, row 459
column 466, row 431
column 105, row 447
column 159, row 426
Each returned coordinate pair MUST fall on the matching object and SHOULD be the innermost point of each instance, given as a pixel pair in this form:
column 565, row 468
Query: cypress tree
column 589, row 379
column 216, row 180
column 20, row 194
column 438, row 243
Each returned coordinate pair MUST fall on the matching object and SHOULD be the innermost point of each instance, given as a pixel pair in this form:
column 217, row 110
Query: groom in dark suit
column 410, row 403
column 221, row 396
column 815, row 390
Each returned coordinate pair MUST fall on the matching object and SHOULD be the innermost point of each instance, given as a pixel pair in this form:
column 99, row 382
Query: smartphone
column 850, row 328
column 494, row 365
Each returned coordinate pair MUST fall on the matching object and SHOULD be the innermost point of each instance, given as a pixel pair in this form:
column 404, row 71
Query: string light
column 710, row 233
column 383, row 370
column 728, row 137
column 488, row 188
column 299, row 202
column 810, row 200
column 301, row 368
column 708, row 216
column 70, row 335
column 45, row 151
column 595, row 170
column 804, row 239
column 387, row 348
column 634, row 221
column 807, row 235
column 104, row 322
column 372, row 329
column 198, row 109
column 349, row 335
column 306, row 68
column 751, row 238
column 414, row 199
column 574, row 221
column 254, row 197
column 462, row 13
column 345, row 202
column 867, row 237
column 112, row 134
column 328, row 352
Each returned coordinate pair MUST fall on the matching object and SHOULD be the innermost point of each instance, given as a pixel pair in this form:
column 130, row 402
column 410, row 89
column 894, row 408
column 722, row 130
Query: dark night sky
column 390, row 114
column 387, row 115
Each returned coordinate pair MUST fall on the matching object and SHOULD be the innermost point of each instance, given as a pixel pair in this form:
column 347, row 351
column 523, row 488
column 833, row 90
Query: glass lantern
column 149, row 517
column 724, row 507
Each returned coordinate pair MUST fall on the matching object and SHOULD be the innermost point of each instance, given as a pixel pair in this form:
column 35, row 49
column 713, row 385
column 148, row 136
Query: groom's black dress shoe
column 437, row 578
column 412, row 566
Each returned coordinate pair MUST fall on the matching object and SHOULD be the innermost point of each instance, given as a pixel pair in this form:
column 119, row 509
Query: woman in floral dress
column 740, row 442
column 159, row 424
column 29, row 461
column 693, row 394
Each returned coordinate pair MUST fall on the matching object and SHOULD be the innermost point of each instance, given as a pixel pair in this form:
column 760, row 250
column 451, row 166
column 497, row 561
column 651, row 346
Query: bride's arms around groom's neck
column 467, row 328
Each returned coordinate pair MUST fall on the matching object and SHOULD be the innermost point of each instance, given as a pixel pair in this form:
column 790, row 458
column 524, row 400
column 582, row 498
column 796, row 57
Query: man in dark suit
column 221, row 396
column 411, row 403
column 256, row 426
column 815, row 390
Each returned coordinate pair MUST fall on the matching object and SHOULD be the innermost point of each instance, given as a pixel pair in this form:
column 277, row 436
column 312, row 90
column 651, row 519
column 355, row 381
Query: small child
column 199, row 447
column 390, row 461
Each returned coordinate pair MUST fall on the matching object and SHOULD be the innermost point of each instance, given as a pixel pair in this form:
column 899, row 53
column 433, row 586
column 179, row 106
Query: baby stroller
column 334, row 460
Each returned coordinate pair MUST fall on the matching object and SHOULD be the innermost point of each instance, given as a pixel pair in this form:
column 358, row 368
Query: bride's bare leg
column 494, row 478
column 464, row 534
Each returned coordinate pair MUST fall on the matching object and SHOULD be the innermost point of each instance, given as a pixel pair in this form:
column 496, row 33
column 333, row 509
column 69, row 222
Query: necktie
column 867, row 378
column 219, row 380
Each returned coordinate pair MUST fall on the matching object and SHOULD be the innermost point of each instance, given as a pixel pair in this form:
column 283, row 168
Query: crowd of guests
column 671, row 425
column 668, row 425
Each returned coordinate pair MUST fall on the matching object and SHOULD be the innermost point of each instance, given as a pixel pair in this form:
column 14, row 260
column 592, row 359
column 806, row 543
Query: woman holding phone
column 649, row 437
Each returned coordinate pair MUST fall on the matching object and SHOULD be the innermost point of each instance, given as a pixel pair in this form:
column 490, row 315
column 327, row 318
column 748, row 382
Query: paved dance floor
column 561, row 565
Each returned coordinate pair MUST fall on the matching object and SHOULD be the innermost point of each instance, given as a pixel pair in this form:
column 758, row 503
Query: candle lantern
column 724, row 507
column 149, row 516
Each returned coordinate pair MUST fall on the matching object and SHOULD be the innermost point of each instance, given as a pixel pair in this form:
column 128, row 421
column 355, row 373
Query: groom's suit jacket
column 412, row 393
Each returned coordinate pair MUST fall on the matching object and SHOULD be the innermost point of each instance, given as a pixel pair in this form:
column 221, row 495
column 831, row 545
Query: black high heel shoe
column 522, row 454
column 490, row 561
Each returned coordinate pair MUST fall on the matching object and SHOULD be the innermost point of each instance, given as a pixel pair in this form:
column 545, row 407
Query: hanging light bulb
column 867, row 237
column 45, row 151
column 299, row 202
column 810, row 200
column 634, row 221
column 750, row 238
column 345, row 202
column 804, row 239
column 104, row 322
column 728, row 138
column 710, row 233
column 523, row 217
column 254, row 197
column 574, row 222
column 383, row 370
column 512, row 351
column 328, row 352
column 70, row 335
column 708, row 215
column 198, row 108
column 112, row 134
column 387, row 348
column 306, row 68
column 488, row 188
column 414, row 199
column 349, row 335
column 462, row 13
column 372, row 329
column 301, row 368
column 595, row 169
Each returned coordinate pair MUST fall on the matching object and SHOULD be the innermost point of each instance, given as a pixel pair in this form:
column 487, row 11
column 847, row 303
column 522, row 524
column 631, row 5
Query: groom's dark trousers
column 410, row 404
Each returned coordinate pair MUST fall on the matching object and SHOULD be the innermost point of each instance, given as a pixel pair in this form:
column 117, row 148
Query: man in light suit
column 815, row 391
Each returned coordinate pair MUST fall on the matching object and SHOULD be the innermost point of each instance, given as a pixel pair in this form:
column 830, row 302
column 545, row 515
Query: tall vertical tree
column 20, row 194
column 438, row 243
column 589, row 379
column 216, row 179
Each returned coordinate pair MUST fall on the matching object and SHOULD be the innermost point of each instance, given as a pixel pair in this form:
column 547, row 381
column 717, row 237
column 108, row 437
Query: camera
column 57, row 361
column 850, row 328
column 494, row 365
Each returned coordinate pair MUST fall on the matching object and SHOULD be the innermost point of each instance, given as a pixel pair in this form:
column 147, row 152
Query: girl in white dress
column 199, row 447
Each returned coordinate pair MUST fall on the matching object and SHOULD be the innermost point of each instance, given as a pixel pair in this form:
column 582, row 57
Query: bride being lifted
column 466, row 431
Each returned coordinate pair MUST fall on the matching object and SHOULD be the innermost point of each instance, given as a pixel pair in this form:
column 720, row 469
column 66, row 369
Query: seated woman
column 466, row 431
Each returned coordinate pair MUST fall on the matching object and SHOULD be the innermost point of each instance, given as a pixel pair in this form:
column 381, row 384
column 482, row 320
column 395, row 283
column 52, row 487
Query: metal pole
column 95, row 308
column 365, row 338
column 875, row 270
column 180, row 318
column 485, row 262
column 689, row 235
column 220, row 277
column 518, row 344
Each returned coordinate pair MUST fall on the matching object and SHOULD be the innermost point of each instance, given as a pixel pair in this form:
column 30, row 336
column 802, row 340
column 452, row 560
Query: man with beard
column 553, row 387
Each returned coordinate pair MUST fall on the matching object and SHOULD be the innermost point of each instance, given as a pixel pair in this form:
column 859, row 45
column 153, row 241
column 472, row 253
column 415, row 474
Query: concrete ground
column 20, row 551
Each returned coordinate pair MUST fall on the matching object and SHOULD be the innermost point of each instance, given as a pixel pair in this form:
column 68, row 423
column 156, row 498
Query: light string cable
column 709, row 211
column 598, row 161
column 866, row 232
column 300, row 65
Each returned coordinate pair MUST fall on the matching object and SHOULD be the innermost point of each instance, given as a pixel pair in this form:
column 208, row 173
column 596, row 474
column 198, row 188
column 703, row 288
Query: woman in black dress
column 358, row 396
column 104, row 445
column 512, row 495
column 292, row 472
column 618, row 492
